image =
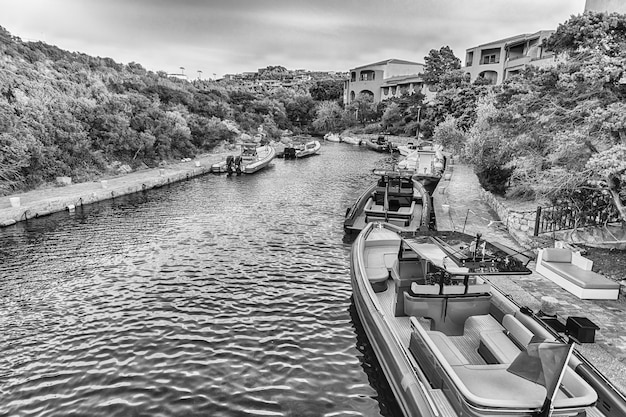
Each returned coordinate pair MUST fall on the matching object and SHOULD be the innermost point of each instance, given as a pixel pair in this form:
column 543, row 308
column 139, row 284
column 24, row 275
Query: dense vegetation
column 555, row 133
column 70, row 114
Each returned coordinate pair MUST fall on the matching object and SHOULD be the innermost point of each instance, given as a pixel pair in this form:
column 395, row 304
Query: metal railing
column 566, row 216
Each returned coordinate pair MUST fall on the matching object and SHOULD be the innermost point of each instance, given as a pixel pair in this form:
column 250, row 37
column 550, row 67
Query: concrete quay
column 467, row 212
column 41, row 202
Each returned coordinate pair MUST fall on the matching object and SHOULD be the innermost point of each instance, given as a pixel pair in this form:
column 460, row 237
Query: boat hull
column 266, row 154
column 399, row 369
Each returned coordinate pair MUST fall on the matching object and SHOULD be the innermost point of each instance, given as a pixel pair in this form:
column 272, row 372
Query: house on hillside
column 384, row 79
column 498, row 60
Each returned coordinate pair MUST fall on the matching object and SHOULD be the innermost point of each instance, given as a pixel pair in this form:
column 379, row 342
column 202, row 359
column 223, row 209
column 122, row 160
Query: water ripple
column 212, row 297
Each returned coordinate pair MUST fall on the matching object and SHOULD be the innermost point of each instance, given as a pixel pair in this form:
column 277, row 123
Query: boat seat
column 452, row 354
column 489, row 385
column 379, row 256
column 447, row 313
column 502, row 346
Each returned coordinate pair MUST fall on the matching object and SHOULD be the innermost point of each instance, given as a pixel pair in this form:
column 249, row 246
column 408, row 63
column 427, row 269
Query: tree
column 439, row 63
column 448, row 135
column 327, row 90
column 328, row 117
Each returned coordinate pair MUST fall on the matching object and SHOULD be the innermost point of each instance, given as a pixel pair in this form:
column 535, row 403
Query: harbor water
column 216, row 296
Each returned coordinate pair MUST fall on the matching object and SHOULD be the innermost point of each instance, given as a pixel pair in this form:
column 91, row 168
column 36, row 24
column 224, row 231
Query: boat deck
column 467, row 343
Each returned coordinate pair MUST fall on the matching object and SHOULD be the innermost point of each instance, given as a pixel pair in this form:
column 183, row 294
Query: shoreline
column 42, row 202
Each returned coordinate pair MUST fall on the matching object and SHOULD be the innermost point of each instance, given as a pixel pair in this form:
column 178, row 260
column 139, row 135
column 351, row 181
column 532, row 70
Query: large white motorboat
column 395, row 198
column 451, row 344
column 252, row 158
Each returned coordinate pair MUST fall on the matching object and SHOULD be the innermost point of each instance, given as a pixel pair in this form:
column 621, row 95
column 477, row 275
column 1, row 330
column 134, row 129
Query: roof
column 516, row 38
column 389, row 61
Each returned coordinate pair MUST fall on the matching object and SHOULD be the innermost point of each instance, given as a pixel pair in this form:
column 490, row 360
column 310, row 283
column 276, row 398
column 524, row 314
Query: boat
column 427, row 163
column 279, row 147
column 352, row 140
column 252, row 158
column 379, row 144
column 395, row 198
column 332, row 137
column 407, row 149
column 308, row 149
column 452, row 344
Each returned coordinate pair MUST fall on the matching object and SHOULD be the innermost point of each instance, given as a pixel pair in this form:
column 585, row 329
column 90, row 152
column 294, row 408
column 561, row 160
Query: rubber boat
column 395, row 198
column 308, row 149
column 332, row 137
column 380, row 144
column 251, row 160
column 451, row 344
column 352, row 140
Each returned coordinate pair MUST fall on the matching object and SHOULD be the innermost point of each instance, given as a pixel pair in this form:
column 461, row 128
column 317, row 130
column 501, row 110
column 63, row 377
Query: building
column 498, row 60
column 607, row 6
column 383, row 80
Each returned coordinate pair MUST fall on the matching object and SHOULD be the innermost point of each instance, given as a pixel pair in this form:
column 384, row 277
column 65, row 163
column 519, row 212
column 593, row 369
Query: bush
column 494, row 179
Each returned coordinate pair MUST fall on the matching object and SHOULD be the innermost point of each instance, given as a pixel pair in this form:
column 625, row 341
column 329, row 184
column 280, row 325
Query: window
column 353, row 77
column 385, row 90
column 490, row 59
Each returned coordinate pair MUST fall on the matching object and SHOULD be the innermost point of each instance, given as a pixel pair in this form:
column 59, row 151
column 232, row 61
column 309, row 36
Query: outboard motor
column 230, row 164
column 238, row 163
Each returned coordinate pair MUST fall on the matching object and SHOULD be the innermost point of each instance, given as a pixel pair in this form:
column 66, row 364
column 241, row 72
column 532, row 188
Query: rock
column 64, row 181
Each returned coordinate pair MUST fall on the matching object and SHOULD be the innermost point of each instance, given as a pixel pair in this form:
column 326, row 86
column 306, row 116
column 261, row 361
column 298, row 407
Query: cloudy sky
column 233, row 36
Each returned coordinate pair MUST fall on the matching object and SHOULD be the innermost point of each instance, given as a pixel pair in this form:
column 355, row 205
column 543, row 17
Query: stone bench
column 572, row 272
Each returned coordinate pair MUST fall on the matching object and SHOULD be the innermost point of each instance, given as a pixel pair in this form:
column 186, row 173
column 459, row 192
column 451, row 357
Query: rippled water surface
column 216, row 296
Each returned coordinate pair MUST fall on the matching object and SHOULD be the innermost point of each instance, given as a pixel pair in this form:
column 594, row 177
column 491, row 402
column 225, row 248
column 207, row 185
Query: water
column 213, row 297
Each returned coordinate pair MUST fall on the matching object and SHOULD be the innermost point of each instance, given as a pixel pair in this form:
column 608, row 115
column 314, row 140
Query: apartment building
column 498, row 60
column 384, row 79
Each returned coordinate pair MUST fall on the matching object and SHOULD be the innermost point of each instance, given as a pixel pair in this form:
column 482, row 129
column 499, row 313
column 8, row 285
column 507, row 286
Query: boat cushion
column 449, row 351
column 431, row 289
column 504, row 346
column 557, row 255
column 580, row 277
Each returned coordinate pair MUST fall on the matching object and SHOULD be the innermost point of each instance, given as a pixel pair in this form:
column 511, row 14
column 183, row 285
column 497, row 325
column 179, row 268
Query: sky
column 210, row 38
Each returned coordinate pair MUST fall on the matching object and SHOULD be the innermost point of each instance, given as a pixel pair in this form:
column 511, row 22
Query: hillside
column 70, row 114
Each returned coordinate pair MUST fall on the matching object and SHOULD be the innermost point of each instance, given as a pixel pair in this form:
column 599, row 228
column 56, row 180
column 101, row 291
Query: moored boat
column 251, row 159
column 255, row 158
column 427, row 163
column 352, row 140
column 452, row 344
column 407, row 149
column 379, row 144
column 308, row 149
column 332, row 137
column 395, row 198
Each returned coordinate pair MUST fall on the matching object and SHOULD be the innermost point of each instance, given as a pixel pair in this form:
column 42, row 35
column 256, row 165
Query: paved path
column 469, row 213
column 41, row 202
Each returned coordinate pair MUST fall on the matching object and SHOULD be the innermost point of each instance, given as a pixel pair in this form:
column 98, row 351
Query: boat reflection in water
column 450, row 343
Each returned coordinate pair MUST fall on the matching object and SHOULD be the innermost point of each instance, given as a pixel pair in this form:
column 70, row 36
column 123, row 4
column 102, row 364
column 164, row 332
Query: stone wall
column 520, row 224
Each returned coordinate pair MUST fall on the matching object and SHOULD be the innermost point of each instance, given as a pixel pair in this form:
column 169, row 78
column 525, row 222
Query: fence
column 599, row 211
